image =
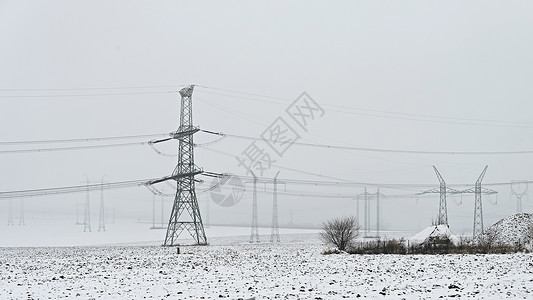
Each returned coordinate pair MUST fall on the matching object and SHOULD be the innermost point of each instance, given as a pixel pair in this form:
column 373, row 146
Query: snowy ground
column 232, row 268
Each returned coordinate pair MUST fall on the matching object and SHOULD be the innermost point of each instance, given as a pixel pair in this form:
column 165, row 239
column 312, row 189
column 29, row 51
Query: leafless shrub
column 387, row 246
column 489, row 239
column 340, row 232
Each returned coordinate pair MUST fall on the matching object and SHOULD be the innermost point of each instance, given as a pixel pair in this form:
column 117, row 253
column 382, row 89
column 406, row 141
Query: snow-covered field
column 232, row 268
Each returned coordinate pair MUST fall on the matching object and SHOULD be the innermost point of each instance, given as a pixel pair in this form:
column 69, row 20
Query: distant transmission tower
column 274, row 234
column 378, row 211
column 443, row 208
column 478, row 211
column 10, row 214
column 366, row 207
column 367, row 197
column 101, row 219
column 254, row 235
column 357, row 209
column 478, row 208
column 87, row 216
column 515, row 191
column 443, row 190
column 21, row 215
column 185, row 213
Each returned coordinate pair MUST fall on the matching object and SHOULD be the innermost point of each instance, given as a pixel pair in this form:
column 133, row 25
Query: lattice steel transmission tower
column 87, row 216
column 254, row 235
column 478, row 208
column 518, row 194
column 443, row 205
column 378, row 210
column 274, row 234
column 101, row 217
column 185, row 213
column 366, row 198
column 443, row 190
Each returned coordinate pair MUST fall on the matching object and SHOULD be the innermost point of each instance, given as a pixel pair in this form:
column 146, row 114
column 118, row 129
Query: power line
column 142, row 182
column 92, row 139
column 243, row 93
column 300, row 193
column 395, row 115
column 315, row 145
column 87, row 95
column 375, row 149
column 337, row 180
column 341, row 182
column 329, row 107
column 90, row 88
column 72, row 148
column 72, row 189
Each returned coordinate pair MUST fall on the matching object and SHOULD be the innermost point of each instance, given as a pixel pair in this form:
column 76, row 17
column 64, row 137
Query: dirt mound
column 512, row 230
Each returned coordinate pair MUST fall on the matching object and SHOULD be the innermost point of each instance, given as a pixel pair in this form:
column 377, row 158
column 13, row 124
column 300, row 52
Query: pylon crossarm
column 182, row 133
column 437, row 191
column 452, row 191
column 484, row 191
column 159, row 141
column 433, row 191
column 174, row 177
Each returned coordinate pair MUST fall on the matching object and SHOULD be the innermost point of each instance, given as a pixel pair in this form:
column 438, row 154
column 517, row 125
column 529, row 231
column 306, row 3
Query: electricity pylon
column 378, row 211
column 518, row 194
column 478, row 208
column 478, row 211
column 443, row 190
column 254, row 235
column 443, row 205
column 185, row 213
column 366, row 197
column 101, row 219
column 274, row 234
column 87, row 216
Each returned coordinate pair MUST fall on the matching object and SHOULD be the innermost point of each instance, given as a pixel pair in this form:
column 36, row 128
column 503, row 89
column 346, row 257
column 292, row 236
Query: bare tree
column 340, row 232
column 490, row 238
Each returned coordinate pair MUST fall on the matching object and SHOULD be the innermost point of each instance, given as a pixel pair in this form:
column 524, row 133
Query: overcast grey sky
column 455, row 61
